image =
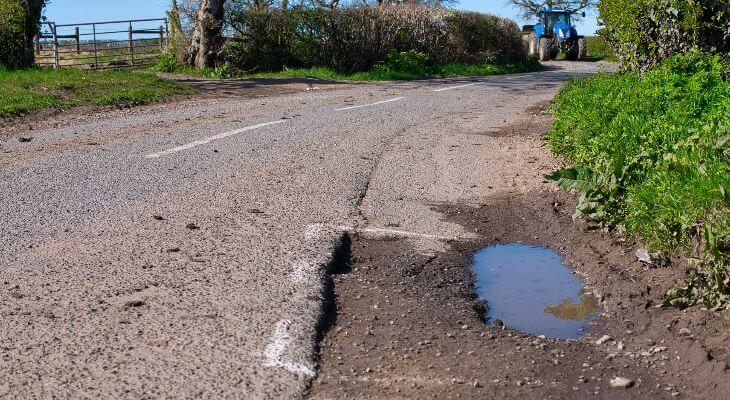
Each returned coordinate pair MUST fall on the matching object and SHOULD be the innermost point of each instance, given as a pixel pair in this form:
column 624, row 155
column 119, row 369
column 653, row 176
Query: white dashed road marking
column 274, row 352
column 369, row 105
column 211, row 139
column 458, row 87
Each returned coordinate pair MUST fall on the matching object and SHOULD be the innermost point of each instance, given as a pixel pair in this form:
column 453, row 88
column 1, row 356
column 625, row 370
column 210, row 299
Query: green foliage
column 599, row 48
column 645, row 32
column 381, row 73
column 410, row 62
column 221, row 72
column 168, row 62
column 354, row 39
column 12, row 34
column 652, row 155
column 22, row 91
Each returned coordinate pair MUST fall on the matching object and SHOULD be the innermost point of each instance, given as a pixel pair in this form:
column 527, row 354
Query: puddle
column 530, row 289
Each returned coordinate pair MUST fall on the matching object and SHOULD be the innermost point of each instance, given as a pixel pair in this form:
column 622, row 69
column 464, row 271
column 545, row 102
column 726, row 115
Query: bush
column 410, row 62
column 652, row 155
column 645, row 32
column 12, row 34
column 357, row 38
column 168, row 62
column 598, row 48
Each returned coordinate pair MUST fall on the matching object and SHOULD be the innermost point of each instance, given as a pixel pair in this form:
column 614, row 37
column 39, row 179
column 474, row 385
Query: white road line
column 302, row 273
column 458, row 87
column 273, row 354
column 393, row 232
column 369, row 105
column 211, row 139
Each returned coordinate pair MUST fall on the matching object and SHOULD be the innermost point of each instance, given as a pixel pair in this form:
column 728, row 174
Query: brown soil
column 410, row 326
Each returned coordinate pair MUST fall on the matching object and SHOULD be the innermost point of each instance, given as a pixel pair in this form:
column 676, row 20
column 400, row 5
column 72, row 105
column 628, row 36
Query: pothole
column 530, row 289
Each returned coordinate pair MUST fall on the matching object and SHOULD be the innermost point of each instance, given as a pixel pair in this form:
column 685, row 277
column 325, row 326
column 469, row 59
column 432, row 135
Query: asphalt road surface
column 178, row 250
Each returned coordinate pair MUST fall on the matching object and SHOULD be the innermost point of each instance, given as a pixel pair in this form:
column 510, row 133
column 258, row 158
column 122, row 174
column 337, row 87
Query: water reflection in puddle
column 531, row 290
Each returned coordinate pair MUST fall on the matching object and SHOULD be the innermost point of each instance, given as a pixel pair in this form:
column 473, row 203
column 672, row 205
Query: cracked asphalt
column 179, row 250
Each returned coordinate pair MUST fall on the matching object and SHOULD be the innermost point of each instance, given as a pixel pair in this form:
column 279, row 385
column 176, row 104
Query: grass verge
column 23, row 91
column 385, row 73
column 651, row 155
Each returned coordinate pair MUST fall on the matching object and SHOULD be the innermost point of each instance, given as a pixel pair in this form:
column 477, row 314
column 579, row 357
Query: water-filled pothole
column 530, row 289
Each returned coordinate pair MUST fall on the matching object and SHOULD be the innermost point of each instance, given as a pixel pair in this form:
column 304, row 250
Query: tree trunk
column 33, row 10
column 207, row 39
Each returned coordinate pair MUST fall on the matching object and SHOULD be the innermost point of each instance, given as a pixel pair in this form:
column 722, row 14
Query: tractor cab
column 554, row 32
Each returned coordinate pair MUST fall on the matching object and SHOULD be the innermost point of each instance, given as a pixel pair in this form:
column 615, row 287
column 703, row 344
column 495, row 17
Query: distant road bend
column 179, row 250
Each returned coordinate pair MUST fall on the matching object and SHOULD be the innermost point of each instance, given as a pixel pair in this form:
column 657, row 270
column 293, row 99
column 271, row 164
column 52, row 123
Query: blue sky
column 76, row 11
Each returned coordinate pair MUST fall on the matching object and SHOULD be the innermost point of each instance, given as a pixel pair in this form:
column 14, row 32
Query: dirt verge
column 410, row 326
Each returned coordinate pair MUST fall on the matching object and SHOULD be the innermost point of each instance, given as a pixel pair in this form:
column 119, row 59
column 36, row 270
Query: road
column 181, row 250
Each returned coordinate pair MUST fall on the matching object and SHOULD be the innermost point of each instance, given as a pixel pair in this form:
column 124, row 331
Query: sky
column 79, row 11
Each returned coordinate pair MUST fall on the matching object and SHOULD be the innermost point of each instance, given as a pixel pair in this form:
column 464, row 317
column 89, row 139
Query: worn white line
column 302, row 273
column 393, row 232
column 274, row 352
column 369, row 105
column 458, row 87
column 211, row 139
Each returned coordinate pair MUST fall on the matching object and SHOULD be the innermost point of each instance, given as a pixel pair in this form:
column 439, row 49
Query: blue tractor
column 555, row 33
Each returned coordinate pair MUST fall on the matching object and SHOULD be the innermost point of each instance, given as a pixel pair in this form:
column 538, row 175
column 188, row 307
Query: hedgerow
column 651, row 154
column 358, row 38
column 12, row 34
column 645, row 32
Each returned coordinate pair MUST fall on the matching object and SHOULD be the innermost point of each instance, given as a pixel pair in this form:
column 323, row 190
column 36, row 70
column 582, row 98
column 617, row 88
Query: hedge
column 12, row 34
column 645, row 32
column 357, row 38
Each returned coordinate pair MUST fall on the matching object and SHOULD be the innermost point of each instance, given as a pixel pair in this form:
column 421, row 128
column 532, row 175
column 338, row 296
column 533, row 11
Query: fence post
column 162, row 38
column 55, row 45
column 96, row 56
column 78, row 41
column 131, row 43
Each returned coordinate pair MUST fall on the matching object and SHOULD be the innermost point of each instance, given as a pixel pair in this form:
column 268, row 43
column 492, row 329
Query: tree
column 20, row 25
column 207, row 38
column 530, row 8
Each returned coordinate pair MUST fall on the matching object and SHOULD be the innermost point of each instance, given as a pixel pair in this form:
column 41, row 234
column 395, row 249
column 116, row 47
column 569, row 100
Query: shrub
column 411, row 62
column 645, row 32
column 168, row 62
column 12, row 34
column 599, row 48
column 651, row 154
column 357, row 38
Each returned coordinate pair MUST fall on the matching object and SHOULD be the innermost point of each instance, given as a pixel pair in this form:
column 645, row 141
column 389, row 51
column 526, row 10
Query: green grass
column 23, row 91
column 384, row 73
column 652, row 155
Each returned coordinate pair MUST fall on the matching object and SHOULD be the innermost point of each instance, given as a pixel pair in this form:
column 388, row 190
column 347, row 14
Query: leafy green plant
column 12, row 34
column 645, row 32
column 411, row 62
column 651, row 154
column 220, row 72
column 168, row 63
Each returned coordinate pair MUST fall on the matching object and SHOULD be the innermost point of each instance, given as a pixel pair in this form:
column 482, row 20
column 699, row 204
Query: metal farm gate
column 101, row 45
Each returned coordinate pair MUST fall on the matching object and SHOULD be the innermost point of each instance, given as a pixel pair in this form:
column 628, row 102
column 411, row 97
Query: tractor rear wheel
column 582, row 49
column 544, row 49
column 534, row 44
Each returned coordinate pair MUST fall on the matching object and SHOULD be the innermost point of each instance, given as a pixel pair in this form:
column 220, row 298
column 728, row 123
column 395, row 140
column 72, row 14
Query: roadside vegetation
column 22, row 91
column 399, row 66
column 599, row 49
column 649, row 147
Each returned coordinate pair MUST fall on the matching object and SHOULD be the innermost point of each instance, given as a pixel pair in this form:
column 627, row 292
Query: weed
column 652, row 156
